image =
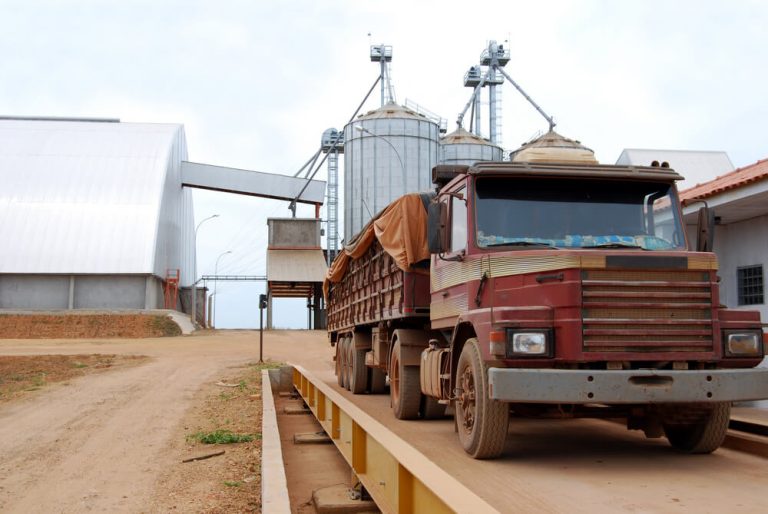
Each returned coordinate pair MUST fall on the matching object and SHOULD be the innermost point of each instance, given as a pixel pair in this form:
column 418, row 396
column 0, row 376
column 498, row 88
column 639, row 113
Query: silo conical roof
column 461, row 136
column 392, row 110
column 555, row 148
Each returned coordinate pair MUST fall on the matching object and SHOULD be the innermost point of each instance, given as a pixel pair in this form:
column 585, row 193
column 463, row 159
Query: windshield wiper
column 523, row 243
column 615, row 245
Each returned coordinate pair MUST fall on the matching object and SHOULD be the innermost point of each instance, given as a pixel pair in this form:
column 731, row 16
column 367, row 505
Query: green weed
column 223, row 437
column 231, row 483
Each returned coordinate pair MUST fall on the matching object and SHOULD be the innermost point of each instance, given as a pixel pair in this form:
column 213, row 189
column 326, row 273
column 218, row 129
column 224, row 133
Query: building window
column 750, row 285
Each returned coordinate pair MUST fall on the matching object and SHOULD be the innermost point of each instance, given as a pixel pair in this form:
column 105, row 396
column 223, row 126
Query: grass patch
column 232, row 483
column 266, row 365
column 223, row 437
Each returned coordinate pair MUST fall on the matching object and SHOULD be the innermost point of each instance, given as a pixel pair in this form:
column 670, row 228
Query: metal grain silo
column 387, row 152
column 462, row 147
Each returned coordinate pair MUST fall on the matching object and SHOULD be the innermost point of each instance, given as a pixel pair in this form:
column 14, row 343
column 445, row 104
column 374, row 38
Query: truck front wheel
column 482, row 422
column 404, row 387
column 699, row 429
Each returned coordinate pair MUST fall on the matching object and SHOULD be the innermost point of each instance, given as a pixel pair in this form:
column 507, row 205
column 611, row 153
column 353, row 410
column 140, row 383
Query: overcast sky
column 255, row 83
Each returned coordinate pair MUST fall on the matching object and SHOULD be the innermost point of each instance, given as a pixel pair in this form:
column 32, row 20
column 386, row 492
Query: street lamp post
column 215, row 283
column 193, row 314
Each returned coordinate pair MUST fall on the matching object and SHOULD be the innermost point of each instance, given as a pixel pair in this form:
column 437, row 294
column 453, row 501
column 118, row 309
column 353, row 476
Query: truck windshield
column 576, row 213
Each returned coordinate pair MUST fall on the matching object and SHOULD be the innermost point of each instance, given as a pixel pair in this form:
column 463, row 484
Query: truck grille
column 646, row 311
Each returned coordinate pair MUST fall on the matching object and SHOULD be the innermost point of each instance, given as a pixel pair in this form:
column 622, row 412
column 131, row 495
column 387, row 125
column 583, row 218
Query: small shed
column 296, row 266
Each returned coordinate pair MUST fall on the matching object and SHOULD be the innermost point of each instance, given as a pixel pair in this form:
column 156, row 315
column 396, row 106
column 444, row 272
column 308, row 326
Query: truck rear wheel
column 482, row 422
column 344, row 365
column 404, row 387
column 705, row 434
column 358, row 373
column 348, row 363
column 340, row 361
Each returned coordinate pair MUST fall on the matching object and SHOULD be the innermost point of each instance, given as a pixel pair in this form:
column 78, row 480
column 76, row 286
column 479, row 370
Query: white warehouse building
column 92, row 214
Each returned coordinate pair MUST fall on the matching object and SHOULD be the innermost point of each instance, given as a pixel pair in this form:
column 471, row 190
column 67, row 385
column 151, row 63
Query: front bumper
column 626, row 387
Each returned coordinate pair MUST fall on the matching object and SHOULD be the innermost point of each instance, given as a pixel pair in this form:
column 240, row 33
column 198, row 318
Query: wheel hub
column 467, row 399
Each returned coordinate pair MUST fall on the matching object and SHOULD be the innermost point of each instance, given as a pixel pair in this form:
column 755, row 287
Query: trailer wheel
column 482, row 422
column 378, row 381
column 343, row 364
column 404, row 387
column 704, row 435
column 358, row 375
column 348, row 351
column 340, row 361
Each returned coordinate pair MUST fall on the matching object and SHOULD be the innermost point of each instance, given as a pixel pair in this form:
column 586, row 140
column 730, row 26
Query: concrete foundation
column 54, row 292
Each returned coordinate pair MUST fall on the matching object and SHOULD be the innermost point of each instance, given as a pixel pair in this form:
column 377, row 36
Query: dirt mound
column 85, row 325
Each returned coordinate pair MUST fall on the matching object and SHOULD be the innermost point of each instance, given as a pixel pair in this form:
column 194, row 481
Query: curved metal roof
column 93, row 198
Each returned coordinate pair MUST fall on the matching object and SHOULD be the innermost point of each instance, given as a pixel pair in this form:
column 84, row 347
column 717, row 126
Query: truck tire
column 378, row 381
column 343, row 366
column 482, row 422
column 431, row 408
column 404, row 387
column 358, row 375
column 703, row 436
column 348, row 361
column 340, row 361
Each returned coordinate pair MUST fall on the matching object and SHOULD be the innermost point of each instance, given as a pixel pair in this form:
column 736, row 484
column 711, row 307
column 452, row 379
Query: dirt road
column 100, row 443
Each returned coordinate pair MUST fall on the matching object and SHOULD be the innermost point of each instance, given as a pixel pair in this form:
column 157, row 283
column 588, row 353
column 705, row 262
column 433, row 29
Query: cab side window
column 458, row 224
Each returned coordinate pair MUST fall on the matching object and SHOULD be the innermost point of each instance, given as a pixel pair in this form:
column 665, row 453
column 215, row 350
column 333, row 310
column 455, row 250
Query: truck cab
column 570, row 289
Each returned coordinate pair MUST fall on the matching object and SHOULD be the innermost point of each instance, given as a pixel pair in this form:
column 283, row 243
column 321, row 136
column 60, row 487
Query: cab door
column 448, row 281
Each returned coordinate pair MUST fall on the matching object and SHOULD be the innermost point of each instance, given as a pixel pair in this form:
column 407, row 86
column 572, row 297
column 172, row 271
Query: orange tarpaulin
column 401, row 229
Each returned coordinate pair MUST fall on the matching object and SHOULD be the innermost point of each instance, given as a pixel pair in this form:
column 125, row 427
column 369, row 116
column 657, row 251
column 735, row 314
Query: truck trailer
column 549, row 286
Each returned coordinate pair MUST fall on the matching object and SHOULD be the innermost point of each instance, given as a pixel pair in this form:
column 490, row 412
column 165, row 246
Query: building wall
column 30, row 292
column 110, row 292
column 294, row 233
column 54, row 292
column 741, row 244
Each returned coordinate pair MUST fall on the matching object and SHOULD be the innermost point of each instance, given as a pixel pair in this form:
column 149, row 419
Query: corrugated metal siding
column 93, row 198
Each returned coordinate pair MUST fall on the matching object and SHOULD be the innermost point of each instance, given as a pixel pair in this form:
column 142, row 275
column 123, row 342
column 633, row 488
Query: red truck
column 548, row 290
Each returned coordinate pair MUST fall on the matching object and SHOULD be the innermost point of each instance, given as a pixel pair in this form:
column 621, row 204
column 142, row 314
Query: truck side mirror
column 437, row 220
column 705, row 230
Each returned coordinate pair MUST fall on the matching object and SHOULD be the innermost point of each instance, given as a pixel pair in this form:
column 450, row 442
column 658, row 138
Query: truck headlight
column 743, row 344
column 529, row 343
